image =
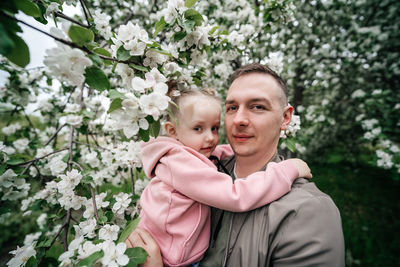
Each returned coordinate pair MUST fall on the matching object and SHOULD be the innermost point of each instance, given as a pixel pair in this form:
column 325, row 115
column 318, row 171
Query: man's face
column 255, row 113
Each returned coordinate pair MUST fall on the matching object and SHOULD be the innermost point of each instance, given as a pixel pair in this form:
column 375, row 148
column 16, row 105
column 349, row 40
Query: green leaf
column 115, row 104
column 89, row 261
column 123, row 54
column 20, row 52
column 6, row 43
column 161, row 51
column 144, row 135
column 102, row 51
column 188, row 25
column 97, row 79
column 192, row 14
column 3, row 168
column 128, row 230
column 32, row 262
column 41, row 18
column 160, row 25
column 291, row 144
column 213, row 29
column 44, row 244
column 28, row 7
column 155, row 128
column 113, row 94
column 136, row 256
column 80, row 35
column 87, row 180
column 138, row 67
column 179, row 36
column 190, row 3
column 15, row 161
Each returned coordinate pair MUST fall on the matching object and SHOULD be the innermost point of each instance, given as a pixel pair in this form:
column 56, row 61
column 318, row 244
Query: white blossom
column 109, row 232
column 21, row 144
column 114, row 254
column 122, row 203
column 41, row 220
column 21, row 255
column 30, row 238
column 11, row 129
column 140, row 185
column 154, row 104
column 74, row 120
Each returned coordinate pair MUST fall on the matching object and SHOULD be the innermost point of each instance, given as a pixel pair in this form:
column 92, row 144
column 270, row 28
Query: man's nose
column 241, row 117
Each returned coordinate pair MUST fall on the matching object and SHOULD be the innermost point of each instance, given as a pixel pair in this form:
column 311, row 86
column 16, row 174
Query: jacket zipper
column 228, row 240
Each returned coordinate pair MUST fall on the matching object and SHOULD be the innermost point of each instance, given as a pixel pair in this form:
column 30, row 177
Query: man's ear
column 287, row 117
column 170, row 129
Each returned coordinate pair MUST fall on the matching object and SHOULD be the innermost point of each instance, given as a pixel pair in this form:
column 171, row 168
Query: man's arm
column 312, row 236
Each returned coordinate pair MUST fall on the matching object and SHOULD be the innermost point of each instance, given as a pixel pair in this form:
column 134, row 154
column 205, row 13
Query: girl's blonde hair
column 177, row 95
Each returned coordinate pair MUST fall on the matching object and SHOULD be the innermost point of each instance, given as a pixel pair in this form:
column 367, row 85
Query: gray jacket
column 302, row 228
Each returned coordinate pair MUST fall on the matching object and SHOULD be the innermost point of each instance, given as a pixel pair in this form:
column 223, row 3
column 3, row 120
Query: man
column 302, row 228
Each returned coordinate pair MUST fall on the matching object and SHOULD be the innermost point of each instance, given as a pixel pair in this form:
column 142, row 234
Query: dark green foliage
column 368, row 202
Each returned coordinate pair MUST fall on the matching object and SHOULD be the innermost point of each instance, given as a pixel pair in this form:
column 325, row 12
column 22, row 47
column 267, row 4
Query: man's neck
column 248, row 165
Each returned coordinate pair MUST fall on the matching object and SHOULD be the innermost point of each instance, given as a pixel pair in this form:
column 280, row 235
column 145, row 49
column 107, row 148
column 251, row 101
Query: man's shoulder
column 303, row 195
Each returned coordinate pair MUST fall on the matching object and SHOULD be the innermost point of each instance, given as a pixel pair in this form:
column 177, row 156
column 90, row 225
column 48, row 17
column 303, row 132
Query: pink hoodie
column 184, row 183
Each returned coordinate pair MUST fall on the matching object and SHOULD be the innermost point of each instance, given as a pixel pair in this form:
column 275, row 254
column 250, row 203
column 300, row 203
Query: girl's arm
column 199, row 180
column 223, row 151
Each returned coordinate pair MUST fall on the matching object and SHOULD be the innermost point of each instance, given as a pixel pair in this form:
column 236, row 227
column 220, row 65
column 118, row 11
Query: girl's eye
column 197, row 129
column 215, row 128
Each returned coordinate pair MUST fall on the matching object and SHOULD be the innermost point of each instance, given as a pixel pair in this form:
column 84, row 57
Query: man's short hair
column 259, row 68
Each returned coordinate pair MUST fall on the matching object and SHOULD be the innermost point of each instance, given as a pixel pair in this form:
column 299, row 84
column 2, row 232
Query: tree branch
column 71, row 44
column 133, row 182
column 63, row 16
column 94, row 203
column 54, row 134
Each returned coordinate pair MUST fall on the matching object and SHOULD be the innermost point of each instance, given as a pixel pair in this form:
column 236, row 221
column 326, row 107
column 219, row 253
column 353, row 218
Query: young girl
column 184, row 182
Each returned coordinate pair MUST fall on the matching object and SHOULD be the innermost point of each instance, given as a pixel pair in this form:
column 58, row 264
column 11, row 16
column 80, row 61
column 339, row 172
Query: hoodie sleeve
column 199, row 180
column 223, row 151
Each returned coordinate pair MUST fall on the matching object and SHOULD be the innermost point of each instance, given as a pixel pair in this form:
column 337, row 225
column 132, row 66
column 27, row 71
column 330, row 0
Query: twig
column 94, row 202
column 133, row 181
column 54, row 134
column 87, row 141
column 70, row 140
column 30, row 162
column 85, row 11
column 77, row 165
column 65, row 225
column 35, row 159
column 62, row 15
column 85, row 144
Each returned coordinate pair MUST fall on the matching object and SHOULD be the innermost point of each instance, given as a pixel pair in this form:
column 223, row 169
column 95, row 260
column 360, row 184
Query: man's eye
column 231, row 108
column 258, row 107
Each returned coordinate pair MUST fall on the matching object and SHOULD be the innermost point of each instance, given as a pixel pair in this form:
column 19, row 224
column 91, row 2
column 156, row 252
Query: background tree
column 341, row 65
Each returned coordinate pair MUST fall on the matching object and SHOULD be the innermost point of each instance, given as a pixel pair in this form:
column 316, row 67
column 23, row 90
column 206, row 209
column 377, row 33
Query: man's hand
column 141, row 238
column 302, row 167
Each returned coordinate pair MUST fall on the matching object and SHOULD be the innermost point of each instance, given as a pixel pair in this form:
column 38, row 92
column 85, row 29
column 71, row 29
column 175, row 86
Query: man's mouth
column 241, row 137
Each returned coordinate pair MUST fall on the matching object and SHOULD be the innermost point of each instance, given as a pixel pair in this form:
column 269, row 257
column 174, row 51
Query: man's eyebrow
column 227, row 102
column 261, row 99
column 258, row 99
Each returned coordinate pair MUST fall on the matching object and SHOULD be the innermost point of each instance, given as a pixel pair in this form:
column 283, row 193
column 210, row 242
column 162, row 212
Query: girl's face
column 198, row 123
